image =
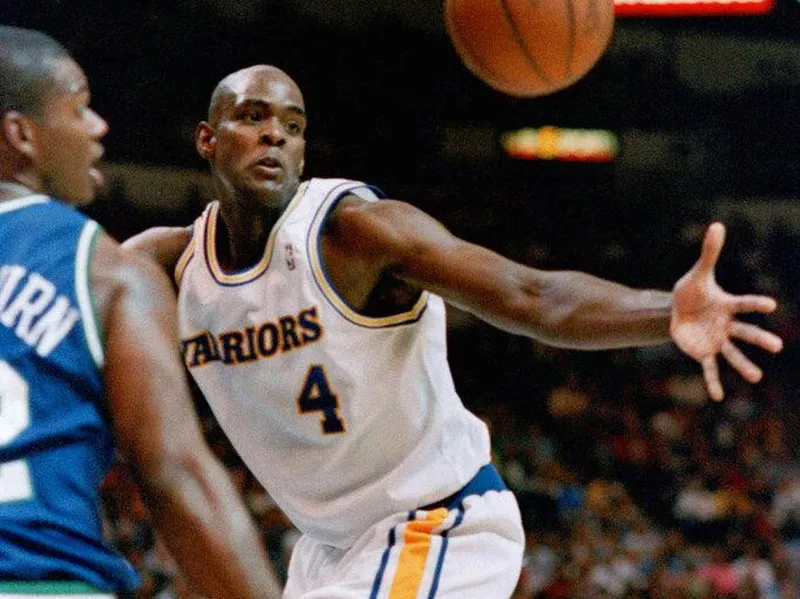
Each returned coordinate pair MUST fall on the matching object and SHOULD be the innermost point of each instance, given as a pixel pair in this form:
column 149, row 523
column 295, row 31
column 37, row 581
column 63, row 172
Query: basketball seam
column 573, row 25
column 481, row 67
column 529, row 58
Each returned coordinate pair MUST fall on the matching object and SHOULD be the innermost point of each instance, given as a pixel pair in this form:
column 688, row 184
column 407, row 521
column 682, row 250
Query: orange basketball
column 530, row 47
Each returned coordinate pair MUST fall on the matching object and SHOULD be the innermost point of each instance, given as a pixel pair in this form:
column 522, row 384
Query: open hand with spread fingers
column 704, row 322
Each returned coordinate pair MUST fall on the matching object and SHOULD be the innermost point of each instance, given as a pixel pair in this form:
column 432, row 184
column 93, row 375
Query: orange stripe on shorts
column 414, row 555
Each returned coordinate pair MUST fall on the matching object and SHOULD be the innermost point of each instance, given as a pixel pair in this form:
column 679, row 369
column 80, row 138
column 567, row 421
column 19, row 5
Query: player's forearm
column 580, row 311
column 209, row 532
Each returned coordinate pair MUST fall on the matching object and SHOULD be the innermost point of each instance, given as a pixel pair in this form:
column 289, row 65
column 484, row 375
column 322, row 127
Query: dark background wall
column 706, row 109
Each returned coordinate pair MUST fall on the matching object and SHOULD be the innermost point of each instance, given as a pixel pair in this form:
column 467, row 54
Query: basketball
column 529, row 47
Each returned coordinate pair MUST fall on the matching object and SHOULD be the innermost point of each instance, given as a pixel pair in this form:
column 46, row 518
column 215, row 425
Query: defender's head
column 49, row 137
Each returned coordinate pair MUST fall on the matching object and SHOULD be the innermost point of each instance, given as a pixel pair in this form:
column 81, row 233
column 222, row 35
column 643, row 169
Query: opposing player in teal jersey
column 89, row 366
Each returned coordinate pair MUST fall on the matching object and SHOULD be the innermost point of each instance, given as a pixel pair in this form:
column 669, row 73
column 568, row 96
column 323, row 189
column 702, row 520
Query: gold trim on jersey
column 245, row 276
column 185, row 258
column 332, row 295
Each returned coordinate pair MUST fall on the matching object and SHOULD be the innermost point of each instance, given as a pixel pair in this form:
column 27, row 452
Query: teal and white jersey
column 56, row 444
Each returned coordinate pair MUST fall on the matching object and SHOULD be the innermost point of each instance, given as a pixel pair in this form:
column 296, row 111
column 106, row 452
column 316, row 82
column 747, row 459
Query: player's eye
column 293, row 127
column 251, row 114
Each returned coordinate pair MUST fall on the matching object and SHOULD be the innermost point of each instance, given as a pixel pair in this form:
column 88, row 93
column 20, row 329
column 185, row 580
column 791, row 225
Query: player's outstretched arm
column 562, row 308
column 190, row 496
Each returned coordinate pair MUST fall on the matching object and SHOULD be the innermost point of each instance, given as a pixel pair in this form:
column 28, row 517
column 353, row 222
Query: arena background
column 632, row 484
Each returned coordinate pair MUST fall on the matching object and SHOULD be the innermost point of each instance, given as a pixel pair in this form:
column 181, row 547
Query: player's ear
column 18, row 132
column 205, row 140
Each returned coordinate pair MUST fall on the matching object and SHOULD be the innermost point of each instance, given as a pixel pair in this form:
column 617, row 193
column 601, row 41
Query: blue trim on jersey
column 487, row 479
column 376, row 586
column 337, row 195
column 440, row 562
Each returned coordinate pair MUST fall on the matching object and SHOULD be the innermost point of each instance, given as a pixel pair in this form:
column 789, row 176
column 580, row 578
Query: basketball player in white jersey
column 312, row 318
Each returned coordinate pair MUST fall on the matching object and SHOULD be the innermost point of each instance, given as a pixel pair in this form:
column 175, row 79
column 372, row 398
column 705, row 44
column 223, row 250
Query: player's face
column 67, row 138
column 258, row 143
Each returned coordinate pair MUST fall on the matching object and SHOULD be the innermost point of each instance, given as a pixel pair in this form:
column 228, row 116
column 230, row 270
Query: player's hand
column 704, row 323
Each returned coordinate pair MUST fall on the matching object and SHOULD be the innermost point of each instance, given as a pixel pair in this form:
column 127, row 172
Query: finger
column 754, row 335
column 741, row 363
column 711, row 376
column 712, row 246
column 754, row 303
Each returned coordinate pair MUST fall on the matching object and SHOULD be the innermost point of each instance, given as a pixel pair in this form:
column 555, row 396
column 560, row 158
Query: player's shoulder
column 336, row 188
column 164, row 245
column 159, row 237
column 42, row 226
column 36, row 206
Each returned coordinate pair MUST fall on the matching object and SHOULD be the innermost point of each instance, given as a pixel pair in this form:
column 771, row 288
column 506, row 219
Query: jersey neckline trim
column 250, row 274
column 186, row 257
column 18, row 203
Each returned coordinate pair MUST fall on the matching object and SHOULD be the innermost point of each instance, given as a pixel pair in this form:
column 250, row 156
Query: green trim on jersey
column 49, row 587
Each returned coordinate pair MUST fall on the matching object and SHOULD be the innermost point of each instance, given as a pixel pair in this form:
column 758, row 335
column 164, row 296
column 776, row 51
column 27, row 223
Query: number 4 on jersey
column 316, row 396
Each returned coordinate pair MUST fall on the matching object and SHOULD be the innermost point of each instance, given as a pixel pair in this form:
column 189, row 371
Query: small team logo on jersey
column 288, row 249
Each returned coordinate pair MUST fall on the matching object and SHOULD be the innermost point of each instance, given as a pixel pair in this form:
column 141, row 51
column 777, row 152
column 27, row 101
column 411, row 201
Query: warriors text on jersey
column 344, row 418
column 55, row 443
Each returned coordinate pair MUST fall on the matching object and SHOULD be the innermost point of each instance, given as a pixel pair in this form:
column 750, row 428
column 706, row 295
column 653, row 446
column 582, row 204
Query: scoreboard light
column 691, row 8
column 554, row 143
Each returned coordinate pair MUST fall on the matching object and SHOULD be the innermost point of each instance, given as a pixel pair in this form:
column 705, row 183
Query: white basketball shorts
column 470, row 549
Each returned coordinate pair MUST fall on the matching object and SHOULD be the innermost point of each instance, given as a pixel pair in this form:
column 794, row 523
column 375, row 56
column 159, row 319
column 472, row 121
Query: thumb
column 712, row 246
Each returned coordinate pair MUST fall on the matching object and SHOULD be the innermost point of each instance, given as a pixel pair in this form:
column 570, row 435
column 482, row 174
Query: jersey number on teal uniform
column 15, row 478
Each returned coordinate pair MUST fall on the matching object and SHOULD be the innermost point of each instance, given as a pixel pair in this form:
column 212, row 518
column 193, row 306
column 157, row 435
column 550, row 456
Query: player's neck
column 242, row 236
column 244, row 224
column 12, row 191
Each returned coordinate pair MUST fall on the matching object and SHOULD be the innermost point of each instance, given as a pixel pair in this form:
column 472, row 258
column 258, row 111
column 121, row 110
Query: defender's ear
column 205, row 140
column 18, row 132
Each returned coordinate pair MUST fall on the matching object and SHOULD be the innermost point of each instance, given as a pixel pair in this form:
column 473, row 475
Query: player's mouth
column 271, row 167
column 98, row 178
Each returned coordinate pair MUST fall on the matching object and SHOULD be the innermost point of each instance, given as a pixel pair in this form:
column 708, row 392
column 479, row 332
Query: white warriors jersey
column 345, row 419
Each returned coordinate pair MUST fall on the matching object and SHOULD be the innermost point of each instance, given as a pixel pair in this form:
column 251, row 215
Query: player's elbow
column 178, row 476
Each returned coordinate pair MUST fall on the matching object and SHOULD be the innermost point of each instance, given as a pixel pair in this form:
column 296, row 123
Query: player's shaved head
column 238, row 81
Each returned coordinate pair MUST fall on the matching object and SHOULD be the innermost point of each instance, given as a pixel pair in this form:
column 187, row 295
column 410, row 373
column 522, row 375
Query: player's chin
column 83, row 192
column 276, row 186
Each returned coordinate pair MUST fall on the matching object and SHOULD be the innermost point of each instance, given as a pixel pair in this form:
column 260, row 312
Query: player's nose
column 273, row 132
column 98, row 126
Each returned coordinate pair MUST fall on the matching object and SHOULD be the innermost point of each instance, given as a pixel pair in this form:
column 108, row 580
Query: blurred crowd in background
column 631, row 482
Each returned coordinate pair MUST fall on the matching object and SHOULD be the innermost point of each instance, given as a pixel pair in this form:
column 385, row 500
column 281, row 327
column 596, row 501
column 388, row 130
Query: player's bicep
column 416, row 248
column 475, row 279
